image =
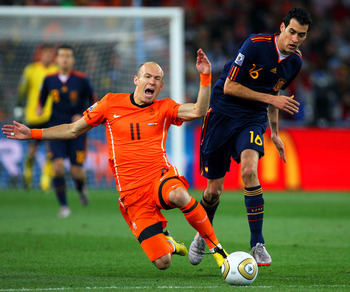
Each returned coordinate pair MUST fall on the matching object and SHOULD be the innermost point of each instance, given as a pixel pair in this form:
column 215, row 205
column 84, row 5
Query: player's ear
column 135, row 80
column 161, row 86
column 282, row 27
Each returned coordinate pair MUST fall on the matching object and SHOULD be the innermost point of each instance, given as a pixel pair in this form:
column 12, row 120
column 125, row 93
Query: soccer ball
column 239, row 269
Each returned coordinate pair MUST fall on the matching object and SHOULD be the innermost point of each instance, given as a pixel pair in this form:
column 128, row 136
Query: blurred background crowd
column 219, row 26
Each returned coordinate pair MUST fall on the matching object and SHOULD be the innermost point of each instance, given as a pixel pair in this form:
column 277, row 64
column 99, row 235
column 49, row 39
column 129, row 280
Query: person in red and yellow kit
column 136, row 128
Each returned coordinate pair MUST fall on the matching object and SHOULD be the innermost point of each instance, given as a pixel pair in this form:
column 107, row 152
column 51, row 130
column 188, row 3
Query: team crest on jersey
column 279, row 84
column 239, row 60
column 73, row 96
column 92, row 107
column 151, row 111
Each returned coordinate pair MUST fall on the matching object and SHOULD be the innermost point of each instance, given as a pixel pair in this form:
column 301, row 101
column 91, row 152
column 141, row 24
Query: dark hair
column 68, row 47
column 300, row 14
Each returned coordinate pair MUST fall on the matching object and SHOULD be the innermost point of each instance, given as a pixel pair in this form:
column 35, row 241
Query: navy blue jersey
column 257, row 66
column 69, row 98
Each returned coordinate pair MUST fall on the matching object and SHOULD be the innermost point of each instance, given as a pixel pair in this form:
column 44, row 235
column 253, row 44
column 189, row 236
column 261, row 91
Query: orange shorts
column 141, row 210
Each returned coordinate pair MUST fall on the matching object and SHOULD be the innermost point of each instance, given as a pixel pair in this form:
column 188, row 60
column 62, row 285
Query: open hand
column 203, row 64
column 16, row 131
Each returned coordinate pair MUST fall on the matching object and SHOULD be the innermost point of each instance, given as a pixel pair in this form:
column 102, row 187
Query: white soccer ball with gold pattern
column 239, row 269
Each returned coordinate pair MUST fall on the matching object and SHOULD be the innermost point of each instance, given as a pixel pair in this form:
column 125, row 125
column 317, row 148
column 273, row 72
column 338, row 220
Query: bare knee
column 249, row 176
column 58, row 167
column 163, row 262
column 77, row 172
column 179, row 197
column 214, row 190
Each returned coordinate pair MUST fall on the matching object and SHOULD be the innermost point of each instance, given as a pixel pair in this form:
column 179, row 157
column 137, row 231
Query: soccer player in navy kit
column 71, row 94
column 243, row 101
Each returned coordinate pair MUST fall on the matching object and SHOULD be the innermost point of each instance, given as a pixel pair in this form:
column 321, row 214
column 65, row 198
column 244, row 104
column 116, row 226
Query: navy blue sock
column 210, row 208
column 59, row 185
column 79, row 184
column 254, row 203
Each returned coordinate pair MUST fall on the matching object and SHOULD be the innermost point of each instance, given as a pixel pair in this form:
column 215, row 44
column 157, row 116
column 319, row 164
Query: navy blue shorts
column 74, row 150
column 222, row 138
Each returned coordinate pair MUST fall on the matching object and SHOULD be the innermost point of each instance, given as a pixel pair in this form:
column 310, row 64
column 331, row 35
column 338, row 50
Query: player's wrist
column 36, row 134
column 205, row 79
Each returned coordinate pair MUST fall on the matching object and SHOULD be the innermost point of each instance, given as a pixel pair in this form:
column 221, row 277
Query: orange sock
column 171, row 246
column 198, row 219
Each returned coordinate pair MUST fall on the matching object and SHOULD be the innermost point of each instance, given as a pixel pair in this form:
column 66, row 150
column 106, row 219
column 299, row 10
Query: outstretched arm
column 19, row 131
column 282, row 102
column 192, row 111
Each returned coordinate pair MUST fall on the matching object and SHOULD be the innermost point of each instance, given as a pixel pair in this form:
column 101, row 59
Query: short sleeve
column 242, row 63
column 96, row 114
column 172, row 110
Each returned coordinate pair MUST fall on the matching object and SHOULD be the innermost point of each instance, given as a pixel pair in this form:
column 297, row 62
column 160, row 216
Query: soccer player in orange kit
column 136, row 128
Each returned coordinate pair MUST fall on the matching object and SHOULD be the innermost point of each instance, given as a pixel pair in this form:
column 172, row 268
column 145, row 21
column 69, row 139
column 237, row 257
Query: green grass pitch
column 306, row 233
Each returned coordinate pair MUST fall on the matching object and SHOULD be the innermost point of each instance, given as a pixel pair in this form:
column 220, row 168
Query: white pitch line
column 161, row 287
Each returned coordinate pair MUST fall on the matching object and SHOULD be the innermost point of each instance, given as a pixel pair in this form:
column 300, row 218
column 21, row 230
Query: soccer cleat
column 180, row 248
column 220, row 255
column 197, row 249
column 64, row 212
column 83, row 197
column 261, row 255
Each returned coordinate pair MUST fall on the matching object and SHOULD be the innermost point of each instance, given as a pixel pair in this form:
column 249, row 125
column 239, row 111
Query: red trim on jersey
column 205, row 122
column 261, row 38
column 233, row 73
column 78, row 73
column 298, row 53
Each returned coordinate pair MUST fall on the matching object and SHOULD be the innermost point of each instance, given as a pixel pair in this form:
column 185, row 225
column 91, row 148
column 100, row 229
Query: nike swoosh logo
column 115, row 116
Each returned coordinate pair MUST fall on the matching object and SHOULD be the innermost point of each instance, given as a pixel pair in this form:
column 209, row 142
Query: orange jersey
column 136, row 136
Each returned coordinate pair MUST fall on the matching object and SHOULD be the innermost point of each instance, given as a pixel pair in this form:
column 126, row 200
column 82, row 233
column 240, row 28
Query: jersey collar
column 132, row 99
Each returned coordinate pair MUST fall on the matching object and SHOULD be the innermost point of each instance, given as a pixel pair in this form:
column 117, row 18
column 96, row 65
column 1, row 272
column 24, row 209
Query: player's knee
column 179, row 197
column 78, row 173
column 249, row 175
column 163, row 262
column 213, row 192
column 58, row 167
column 58, row 171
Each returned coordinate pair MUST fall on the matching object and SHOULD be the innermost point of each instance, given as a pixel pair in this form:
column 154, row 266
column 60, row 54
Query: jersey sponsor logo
column 274, row 70
column 152, row 124
column 239, row 60
column 116, row 116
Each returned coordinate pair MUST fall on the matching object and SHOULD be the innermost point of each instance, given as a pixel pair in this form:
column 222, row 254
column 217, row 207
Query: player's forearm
column 272, row 114
column 192, row 111
column 203, row 99
column 66, row 131
column 60, row 132
column 236, row 89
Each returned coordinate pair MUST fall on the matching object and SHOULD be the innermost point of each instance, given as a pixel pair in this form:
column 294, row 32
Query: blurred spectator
column 218, row 26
